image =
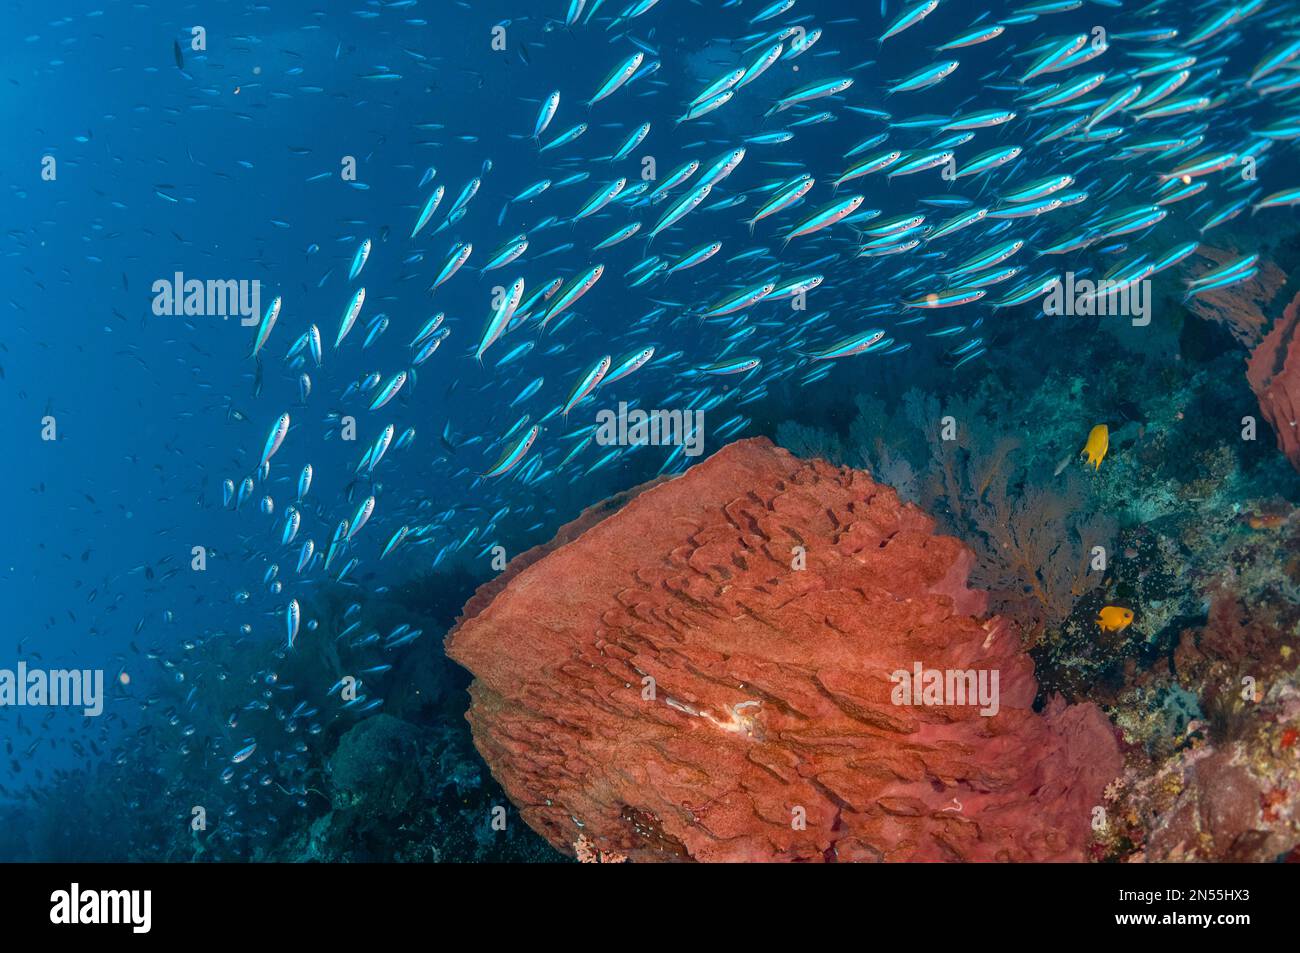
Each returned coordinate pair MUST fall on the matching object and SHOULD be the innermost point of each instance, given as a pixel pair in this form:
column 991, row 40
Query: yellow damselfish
column 1114, row 618
column 1097, row 445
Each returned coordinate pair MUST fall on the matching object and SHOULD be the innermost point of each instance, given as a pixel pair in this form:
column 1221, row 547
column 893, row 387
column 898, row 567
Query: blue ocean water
column 136, row 152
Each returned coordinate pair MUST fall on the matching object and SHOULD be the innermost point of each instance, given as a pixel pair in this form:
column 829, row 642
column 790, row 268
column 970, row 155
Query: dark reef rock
column 377, row 766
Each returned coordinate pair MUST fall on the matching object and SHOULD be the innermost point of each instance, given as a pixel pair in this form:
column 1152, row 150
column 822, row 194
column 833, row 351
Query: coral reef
column 1224, row 782
column 1229, row 794
column 708, row 668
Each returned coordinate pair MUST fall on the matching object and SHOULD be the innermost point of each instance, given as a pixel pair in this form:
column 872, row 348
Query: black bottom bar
column 333, row 903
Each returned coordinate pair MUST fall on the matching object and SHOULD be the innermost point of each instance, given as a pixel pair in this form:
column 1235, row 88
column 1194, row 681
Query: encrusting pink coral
column 709, row 668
